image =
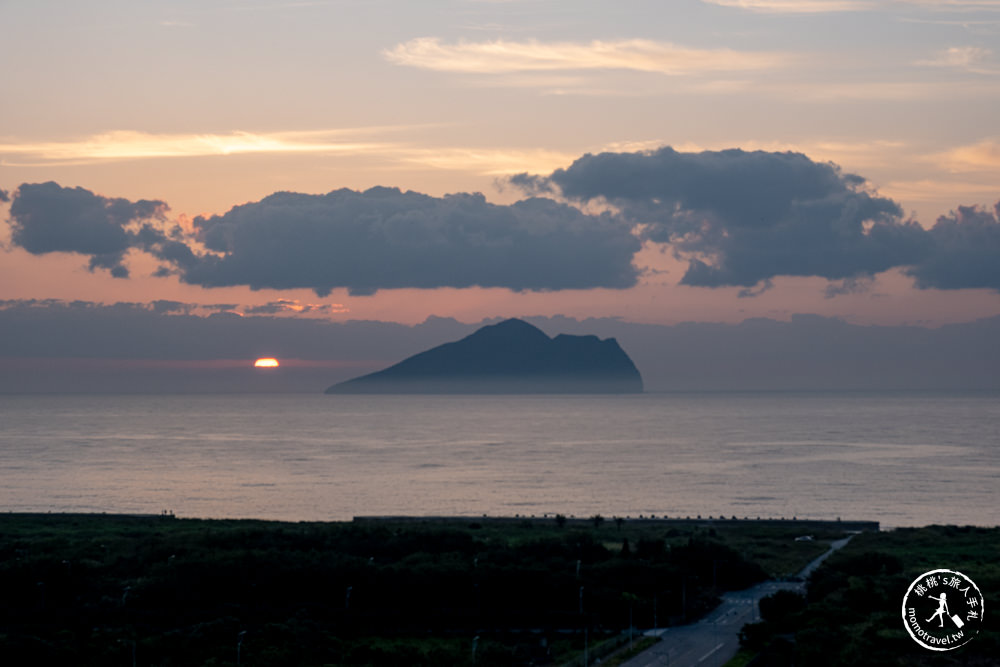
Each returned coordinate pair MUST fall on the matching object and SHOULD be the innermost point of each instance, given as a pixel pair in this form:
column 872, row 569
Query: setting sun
column 267, row 362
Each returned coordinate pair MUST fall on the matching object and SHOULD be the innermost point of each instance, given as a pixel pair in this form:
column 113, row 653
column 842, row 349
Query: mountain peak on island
column 512, row 326
column 508, row 331
column 510, row 357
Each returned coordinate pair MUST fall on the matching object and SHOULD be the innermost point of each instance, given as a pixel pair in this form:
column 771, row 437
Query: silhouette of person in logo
column 941, row 610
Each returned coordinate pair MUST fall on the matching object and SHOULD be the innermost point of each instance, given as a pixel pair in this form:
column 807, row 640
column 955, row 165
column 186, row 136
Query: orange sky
column 210, row 105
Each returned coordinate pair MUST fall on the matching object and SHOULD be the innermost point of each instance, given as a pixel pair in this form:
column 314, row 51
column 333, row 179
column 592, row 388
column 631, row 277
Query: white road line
column 705, row 657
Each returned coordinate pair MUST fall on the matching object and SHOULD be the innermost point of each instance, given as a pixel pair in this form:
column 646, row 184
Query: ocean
column 903, row 459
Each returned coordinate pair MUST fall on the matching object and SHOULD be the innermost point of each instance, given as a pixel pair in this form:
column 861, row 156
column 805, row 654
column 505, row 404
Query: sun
column 266, row 362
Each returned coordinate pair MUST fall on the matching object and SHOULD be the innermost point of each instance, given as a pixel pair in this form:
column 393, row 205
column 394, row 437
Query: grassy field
column 94, row 589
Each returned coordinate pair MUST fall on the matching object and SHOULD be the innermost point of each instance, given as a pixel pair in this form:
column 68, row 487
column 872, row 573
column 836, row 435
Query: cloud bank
column 47, row 343
column 965, row 252
column 737, row 218
column 742, row 218
column 386, row 238
column 47, row 217
column 365, row 241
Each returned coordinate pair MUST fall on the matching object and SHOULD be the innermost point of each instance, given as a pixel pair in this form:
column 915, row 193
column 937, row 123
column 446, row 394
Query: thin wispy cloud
column 981, row 156
column 827, row 6
column 127, row 144
column 275, row 6
column 975, row 59
column 130, row 145
column 885, row 90
column 795, row 6
column 978, row 26
column 491, row 161
column 953, row 5
column 930, row 190
column 502, row 57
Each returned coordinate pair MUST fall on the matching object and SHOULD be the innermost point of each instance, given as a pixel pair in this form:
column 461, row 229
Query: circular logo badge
column 942, row 610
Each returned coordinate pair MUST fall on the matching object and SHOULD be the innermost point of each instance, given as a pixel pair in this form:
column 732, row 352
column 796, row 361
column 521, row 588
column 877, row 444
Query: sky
column 708, row 161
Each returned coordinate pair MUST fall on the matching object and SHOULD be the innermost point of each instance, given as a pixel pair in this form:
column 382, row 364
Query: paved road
column 714, row 640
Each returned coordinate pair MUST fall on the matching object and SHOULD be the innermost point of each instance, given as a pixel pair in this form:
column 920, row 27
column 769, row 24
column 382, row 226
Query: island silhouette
column 511, row 357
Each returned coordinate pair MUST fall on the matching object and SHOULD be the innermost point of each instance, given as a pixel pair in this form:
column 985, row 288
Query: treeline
column 88, row 590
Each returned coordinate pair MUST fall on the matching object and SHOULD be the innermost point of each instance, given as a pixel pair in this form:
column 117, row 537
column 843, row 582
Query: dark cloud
column 4, row 196
column 966, row 251
column 742, row 218
column 46, row 217
column 170, row 246
column 384, row 238
column 737, row 218
column 364, row 241
column 853, row 285
column 164, row 306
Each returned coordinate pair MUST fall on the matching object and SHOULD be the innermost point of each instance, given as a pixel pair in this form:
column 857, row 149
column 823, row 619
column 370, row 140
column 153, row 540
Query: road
column 714, row 640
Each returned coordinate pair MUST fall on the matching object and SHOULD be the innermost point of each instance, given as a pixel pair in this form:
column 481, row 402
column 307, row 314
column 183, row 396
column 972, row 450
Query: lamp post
column 684, row 606
column 630, row 598
column 655, row 624
column 127, row 643
column 239, row 645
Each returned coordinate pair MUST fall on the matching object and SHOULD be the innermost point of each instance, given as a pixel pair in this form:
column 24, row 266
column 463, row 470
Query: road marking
column 705, row 657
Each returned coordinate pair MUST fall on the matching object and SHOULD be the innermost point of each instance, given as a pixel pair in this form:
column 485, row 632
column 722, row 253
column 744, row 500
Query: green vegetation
column 95, row 590
column 852, row 612
column 743, row 658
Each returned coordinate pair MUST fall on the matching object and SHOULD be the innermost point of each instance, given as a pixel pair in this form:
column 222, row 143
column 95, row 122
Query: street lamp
column 239, row 645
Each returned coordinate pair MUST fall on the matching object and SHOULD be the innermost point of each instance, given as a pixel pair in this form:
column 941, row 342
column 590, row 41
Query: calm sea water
column 902, row 459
